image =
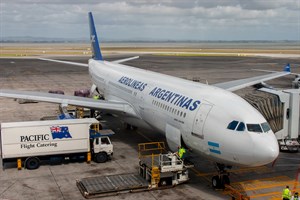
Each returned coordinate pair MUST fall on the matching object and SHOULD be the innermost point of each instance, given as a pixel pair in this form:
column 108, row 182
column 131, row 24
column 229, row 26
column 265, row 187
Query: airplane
column 209, row 119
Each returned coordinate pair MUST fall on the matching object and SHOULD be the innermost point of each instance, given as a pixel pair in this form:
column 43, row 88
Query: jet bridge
column 281, row 109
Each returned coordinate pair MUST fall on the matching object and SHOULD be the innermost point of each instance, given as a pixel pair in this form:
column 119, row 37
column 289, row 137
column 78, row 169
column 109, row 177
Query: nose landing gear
column 219, row 181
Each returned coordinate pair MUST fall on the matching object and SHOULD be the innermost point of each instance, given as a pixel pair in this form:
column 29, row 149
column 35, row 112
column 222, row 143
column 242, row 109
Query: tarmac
column 59, row 181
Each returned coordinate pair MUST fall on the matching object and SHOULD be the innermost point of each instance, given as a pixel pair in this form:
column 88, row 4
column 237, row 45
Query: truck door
column 102, row 144
column 96, row 146
column 199, row 120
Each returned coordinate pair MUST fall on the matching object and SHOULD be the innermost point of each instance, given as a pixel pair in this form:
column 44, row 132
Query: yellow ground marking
column 141, row 134
column 273, row 195
column 261, row 169
column 198, row 54
column 264, row 183
column 198, row 172
column 253, row 185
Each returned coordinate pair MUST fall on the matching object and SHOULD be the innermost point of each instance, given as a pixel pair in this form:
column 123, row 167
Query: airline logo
column 60, row 132
column 135, row 84
column 93, row 38
column 175, row 98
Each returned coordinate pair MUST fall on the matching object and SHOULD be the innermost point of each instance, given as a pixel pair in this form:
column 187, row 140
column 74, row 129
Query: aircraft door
column 173, row 136
column 199, row 120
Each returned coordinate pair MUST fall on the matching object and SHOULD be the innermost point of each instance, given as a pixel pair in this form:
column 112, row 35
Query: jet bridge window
column 232, row 125
column 265, row 126
column 254, row 128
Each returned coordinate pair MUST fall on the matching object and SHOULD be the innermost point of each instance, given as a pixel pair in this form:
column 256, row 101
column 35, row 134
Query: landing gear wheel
column 219, row 181
column 101, row 157
column 216, row 182
column 32, row 163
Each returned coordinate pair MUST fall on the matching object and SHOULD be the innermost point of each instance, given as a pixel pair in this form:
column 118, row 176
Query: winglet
column 287, row 68
column 94, row 39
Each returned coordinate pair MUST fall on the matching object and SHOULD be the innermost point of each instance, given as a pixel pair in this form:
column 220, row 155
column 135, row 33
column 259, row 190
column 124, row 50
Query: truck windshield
column 105, row 141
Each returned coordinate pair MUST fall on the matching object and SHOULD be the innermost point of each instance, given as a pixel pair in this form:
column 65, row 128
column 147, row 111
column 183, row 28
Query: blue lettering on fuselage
column 135, row 84
column 175, row 99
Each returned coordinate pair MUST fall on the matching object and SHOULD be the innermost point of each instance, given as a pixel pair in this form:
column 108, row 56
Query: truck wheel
column 101, row 157
column 215, row 182
column 32, row 163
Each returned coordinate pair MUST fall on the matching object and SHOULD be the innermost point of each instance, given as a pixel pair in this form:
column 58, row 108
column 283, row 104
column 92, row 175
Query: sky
column 153, row 19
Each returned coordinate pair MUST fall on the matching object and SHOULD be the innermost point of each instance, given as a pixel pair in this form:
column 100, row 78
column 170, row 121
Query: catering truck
column 29, row 143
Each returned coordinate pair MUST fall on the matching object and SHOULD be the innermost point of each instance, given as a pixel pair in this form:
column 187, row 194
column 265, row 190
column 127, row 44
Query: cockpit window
column 254, row 128
column 265, row 126
column 241, row 127
column 232, row 125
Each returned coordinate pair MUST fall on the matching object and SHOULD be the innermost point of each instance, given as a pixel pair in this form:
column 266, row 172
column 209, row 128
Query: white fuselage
column 195, row 114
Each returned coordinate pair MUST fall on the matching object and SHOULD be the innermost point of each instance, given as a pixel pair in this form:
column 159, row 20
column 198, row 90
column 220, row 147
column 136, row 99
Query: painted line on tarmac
column 265, row 183
column 275, row 195
column 250, row 169
column 203, row 175
column 141, row 134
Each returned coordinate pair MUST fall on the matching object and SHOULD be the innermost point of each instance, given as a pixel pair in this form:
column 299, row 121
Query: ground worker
column 181, row 152
column 296, row 196
column 286, row 193
column 96, row 97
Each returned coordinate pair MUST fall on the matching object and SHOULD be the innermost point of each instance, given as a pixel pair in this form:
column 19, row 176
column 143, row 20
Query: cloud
column 154, row 19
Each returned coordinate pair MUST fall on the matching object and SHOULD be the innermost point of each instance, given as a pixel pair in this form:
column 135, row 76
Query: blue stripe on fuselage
column 213, row 144
column 215, row 151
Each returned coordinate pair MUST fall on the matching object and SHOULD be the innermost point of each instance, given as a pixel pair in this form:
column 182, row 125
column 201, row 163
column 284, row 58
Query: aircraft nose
column 266, row 150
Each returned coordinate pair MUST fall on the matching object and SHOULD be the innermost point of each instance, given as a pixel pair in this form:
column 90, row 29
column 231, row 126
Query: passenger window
column 232, row 125
column 265, row 126
column 254, row 128
column 241, row 127
column 97, row 140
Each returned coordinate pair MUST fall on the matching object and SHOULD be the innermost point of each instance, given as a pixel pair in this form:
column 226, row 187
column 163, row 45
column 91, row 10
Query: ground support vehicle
column 157, row 170
column 30, row 143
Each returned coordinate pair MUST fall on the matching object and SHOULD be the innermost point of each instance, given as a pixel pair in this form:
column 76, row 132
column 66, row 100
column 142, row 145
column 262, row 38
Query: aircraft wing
column 115, row 107
column 242, row 83
column 65, row 62
column 125, row 59
column 86, row 65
